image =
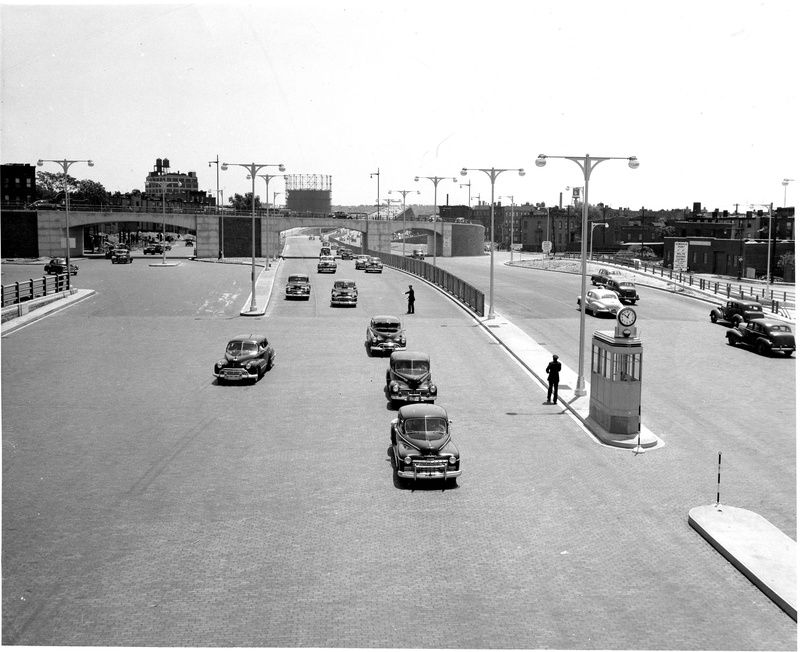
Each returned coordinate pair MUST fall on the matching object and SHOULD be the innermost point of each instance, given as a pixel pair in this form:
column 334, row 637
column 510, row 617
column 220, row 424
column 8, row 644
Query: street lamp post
column 378, row 196
column 253, row 168
column 266, row 178
column 435, row 181
column 587, row 164
column 404, row 193
column 221, row 219
column 511, row 245
column 274, row 199
column 492, row 173
column 785, row 183
column 65, row 165
column 591, row 235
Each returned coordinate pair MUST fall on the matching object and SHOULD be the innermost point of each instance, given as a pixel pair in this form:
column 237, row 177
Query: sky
column 700, row 91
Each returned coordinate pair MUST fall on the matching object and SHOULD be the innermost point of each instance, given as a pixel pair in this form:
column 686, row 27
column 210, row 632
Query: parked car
column 385, row 334
column 421, row 444
column 601, row 302
column 764, row 335
column 626, row 290
column 121, row 256
column 298, row 286
column 737, row 311
column 603, row 276
column 408, row 378
column 247, row 357
column 154, row 249
column 59, row 266
column 344, row 293
column 345, row 254
column 326, row 264
column 374, row 264
column 361, row 261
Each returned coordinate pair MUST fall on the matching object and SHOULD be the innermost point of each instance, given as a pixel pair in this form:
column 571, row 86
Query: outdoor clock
column 626, row 317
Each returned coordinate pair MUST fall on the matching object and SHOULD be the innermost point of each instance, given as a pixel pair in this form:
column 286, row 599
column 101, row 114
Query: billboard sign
column 680, row 262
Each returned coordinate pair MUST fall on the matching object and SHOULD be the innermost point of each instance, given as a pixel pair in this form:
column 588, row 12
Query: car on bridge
column 326, row 264
column 121, row 256
column 408, row 378
column 298, row 286
column 345, row 254
column 374, row 264
column 418, row 254
column 59, row 266
column 247, row 357
column 344, row 293
column 601, row 302
column 385, row 334
column 765, row 336
column 361, row 261
column 422, row 448
column 737, row 311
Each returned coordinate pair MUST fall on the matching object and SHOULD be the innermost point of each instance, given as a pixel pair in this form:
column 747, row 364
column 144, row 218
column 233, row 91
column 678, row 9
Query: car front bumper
column 412, row 396
column 428, row 471
column 236, row 373
column 386, row 346
column 344, row 301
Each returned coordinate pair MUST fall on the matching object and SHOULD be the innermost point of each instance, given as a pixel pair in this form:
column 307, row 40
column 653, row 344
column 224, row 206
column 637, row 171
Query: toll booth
column 616, row 389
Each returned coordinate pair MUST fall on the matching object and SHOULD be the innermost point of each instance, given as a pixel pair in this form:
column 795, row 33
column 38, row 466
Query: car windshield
column 607, row 295
column 754, row 306
column 386, row 326
column 426, row 428
column 298, row 279
column 237, row 347
column 626, row 284
column 343, row 285
column 412, row 366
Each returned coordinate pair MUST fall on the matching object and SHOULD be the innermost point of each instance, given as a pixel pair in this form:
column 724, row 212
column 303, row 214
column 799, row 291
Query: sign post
column 680, row 261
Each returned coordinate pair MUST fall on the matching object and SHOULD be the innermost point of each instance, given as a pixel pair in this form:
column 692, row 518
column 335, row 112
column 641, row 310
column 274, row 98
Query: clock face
column 627, row 316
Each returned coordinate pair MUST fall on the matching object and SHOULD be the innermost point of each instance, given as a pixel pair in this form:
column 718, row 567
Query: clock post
column 616, row 382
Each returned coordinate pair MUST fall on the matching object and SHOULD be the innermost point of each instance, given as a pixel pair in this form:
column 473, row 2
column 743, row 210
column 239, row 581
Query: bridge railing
column 34, row 288
column 451, row 284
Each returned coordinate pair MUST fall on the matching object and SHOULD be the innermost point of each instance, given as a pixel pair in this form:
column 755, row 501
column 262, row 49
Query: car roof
column 766, row 321
column 344, row 281
column 409, row 355
column 247, row 338
column 420, row 410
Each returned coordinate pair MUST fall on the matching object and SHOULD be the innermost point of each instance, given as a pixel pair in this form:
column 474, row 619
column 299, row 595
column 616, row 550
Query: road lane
column 149, row 506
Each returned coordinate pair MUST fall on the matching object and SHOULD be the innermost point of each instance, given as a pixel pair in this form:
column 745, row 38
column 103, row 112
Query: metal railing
column 461, row 290
column 34, row 288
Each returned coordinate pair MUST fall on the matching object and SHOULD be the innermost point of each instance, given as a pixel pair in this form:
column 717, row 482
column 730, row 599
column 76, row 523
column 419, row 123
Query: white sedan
column 600, row 301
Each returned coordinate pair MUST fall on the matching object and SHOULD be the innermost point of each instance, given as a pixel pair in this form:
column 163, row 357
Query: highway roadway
column 145, row 505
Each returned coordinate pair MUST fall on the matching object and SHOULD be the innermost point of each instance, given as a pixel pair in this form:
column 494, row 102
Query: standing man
column 552, row 371
column 410, row 294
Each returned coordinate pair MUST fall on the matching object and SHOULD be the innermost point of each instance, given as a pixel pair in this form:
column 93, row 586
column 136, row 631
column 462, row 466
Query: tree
column 51, row 184
column 244, row 203
column 92, row 192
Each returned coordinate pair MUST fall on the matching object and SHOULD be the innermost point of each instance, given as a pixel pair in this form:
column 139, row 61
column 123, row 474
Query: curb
column 36, row 314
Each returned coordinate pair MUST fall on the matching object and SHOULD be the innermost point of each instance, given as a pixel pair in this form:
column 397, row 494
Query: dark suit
column 410, row 294
column 553, row 370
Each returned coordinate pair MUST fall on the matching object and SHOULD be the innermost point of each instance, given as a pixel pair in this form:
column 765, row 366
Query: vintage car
column 326, row 264
column 421, row 445
column 385, row 334
column 361, row 261
column 601, row 302
column 156, row 248
column 737, row 311
column 603, row 276
column 121, row 256
column 59, row 266
column 344, row 293
column 325, row 250
column 764, row 335
column 626, row 290
column 247, row 357
column 374, row 264
column 418, row 254
column 298, row 287
column 409, row 378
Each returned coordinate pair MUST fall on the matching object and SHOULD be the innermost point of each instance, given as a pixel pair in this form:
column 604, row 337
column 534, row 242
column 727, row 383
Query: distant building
column 172, row 185
column 19, row 184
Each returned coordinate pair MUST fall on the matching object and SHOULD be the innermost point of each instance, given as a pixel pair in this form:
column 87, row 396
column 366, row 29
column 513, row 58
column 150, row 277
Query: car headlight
column 451, row 460
column 432, row 388
column 220, row 363
column 407, row 459
column 395, row 387
column 249, row 364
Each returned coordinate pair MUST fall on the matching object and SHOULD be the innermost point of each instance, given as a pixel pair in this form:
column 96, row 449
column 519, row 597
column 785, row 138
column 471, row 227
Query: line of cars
column 751, row 328
column 610, row 291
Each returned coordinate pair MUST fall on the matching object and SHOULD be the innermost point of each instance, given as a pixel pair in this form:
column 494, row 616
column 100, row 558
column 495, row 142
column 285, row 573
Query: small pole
column 719, row 475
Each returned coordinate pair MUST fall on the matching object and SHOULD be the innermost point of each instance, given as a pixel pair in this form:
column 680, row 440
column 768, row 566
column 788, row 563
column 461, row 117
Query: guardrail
column 451, row 284
column 34, row 288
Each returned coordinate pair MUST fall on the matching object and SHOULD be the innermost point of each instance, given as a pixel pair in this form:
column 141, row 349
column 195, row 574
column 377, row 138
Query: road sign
column 547, row 246
column 681, row 257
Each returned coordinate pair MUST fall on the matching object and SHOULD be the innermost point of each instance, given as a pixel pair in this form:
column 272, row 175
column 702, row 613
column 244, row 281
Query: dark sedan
column 247, row 357
column 421, row 444
column 59, row 266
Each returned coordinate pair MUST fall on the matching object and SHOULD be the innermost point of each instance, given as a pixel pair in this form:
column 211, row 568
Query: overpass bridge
column 236, row 230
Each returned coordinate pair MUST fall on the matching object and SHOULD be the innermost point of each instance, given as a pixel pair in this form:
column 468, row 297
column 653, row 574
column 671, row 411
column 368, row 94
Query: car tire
column 788, row 354
column 763, row 349
column 713, row 318
column 737, row 320
column 732, row 341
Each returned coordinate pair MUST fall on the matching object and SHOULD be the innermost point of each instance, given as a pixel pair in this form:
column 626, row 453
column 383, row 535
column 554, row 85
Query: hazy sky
column 703, row 93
